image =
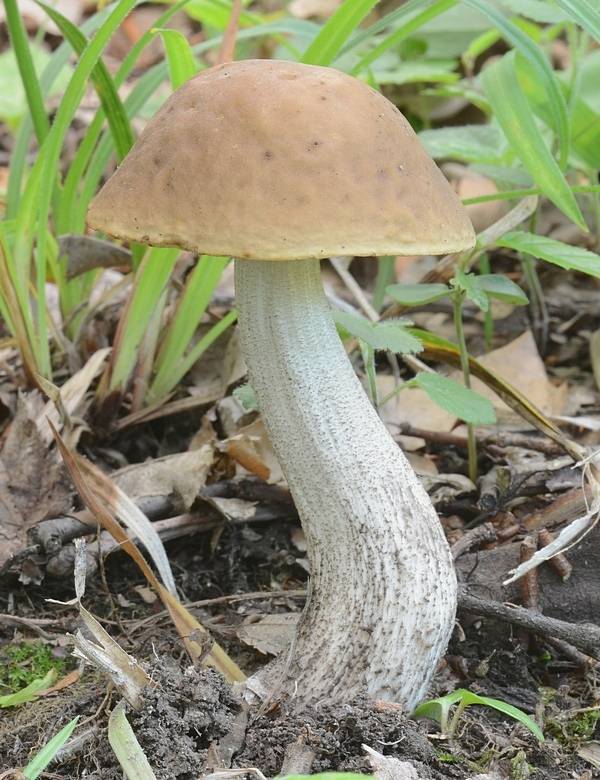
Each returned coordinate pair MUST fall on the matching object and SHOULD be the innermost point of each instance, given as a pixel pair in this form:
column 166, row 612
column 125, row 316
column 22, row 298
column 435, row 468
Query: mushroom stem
column 382, row 594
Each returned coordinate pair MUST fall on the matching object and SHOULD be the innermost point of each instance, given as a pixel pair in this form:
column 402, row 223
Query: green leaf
column 417, row 294
column 439, row 71
column 502, row 288
column 572, row 258
column 180, row 57
column 537, row 59
column 103, row 83
column 515, row 116
column 585, row 12
column 336, row 31
column 456, row 398
column 438, row 709
column 13, row 97
column 468, row 143
column 41, row 760
column 150, row 280
column 126, row 748
column 403, row 32
column 246, row 397
column 29, row 80
column 538, row 10
column 388, row 335
column 30, row 692
column 468, row 284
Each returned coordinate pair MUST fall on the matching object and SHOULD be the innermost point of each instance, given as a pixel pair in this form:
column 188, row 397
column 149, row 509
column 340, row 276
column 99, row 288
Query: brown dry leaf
column 519, row 363
column 271, row 634
column 221, row 365
column 64, row 682
column 252, row 450
column 190, row 630
column 411, row 405
column 180, row 477
column 69, row 398
column 473, row 185
column 33, row 482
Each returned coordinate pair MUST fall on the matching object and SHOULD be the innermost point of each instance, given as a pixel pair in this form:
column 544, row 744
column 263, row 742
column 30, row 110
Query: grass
column 546, row 119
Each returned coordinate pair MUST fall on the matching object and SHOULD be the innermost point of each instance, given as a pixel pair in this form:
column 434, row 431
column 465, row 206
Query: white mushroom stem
column 382, row 593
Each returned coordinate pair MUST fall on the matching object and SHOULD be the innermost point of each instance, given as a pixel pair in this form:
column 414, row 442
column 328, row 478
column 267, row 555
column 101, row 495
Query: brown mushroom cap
column 273, row 160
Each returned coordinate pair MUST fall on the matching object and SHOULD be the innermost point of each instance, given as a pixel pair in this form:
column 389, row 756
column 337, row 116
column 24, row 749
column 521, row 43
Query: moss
column 21, row 664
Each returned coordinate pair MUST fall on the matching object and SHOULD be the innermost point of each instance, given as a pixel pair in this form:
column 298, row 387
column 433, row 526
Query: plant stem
column 457, row 299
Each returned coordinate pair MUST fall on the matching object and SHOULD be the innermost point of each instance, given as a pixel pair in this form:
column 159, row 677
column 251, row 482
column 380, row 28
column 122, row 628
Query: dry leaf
column 181, row 477
column 269, row 635
column 411, row 405
column 520, row 364
column 482, row 215
column 252, row 450
column 33, row 482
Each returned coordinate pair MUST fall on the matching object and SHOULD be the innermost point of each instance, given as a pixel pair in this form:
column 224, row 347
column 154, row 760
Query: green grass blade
column 180, row 58
column 389, row 21
column 336, row 31
column 191, row 308
column 102, row 81
column 515, row 116
column 18, row 162
column 41, row 760
column 469, row 698
column 49, row 157
column 35, row 101
column 150, row 280
column 571, row 258
column 585, row 12
column 403, row 32
column 536, row 57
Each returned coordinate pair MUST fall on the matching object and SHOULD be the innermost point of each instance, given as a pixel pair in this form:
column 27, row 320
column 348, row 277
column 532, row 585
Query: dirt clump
column 335, row 733
column 186, row 711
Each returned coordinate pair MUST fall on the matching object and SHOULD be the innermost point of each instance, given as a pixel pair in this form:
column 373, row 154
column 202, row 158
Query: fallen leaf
column 410, row 405
column 269, row 635
column 33, row 481
column 180, row 477
column 519, row 363
column 482, row 215
column 252, row 450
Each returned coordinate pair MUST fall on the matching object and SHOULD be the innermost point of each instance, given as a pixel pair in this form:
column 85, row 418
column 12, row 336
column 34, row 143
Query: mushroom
column 278, row 165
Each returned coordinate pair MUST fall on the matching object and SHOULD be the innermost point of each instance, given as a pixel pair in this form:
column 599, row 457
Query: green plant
column 21, row 664
column 41, row 760
column 440, row 710
column 480, row 290
column 541, row 137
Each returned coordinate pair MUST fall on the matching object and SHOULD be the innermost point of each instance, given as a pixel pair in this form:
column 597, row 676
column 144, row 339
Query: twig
column 530, row 586
column 583, row 636
column 501, row 439
column 473, row 538
column 227, row 51
column 559, row 563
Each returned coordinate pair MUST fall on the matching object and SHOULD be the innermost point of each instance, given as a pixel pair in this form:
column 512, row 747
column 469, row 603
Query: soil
column 191, row 709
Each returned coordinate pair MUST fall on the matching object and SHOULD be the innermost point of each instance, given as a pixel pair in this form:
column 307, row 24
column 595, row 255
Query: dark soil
column 190, row 709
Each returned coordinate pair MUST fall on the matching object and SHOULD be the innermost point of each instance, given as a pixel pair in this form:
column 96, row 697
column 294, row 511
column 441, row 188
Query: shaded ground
column 190, row 709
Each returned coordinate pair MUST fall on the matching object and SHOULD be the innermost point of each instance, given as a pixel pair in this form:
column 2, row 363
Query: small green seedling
column 439, row 710
column 41, row 760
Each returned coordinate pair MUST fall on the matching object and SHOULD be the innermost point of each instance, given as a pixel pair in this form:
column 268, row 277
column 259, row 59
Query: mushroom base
column 382, row 594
